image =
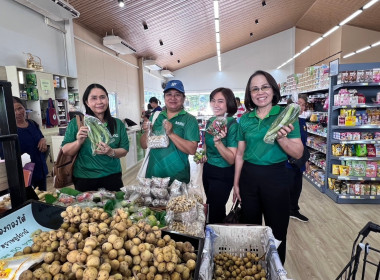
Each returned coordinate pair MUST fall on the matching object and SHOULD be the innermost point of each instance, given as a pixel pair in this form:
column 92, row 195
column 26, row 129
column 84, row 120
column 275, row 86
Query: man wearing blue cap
column 183, row 132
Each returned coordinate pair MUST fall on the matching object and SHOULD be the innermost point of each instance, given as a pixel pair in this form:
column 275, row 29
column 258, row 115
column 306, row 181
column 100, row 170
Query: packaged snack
column 160, row 193
column 368, row 76
column 377, row 148
column 373, row 189
column 366, row 136
column 218, row 125
column 366, row 189
column 357, row 189
column 158, row 141
column 359, row 168
column 160, row 182
column 349, row 135
column 344, row 170
column 349, row 164
column 331, row 183
column 377, row 136
column 361, row 150
column 361, row 98
column 175, row 188
column 337, row 149
column 356, row 136
column 344, row 77
column 371, row 169
column 335, row 169
column 360, row 76
column 378, row 169
column 378, row 189
column 371, row 150
column 352, row 76
column 146, row 182
column 376, row 75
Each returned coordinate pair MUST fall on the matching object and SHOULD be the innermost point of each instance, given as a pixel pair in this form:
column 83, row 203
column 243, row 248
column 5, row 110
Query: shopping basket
column 371, row 256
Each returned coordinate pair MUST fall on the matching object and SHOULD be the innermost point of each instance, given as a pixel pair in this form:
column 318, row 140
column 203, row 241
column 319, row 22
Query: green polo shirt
column 170, row 161
column 213, row 155
column 89, row 166
column 252, row 130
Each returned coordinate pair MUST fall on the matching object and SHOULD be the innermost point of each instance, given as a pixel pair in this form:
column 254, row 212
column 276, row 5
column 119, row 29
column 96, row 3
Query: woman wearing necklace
column 102, row 170
column 261, row 180
column 32, row 142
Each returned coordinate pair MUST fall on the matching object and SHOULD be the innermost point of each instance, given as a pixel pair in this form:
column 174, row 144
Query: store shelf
column 335, row 141
column 366, row 126
column 354, row 178
column 355, row 158
column 353, row 199
column 356, row 106
column 317, row 164
column 316, row 148
column 314, row 182
column 355, row 85
column 317, row 133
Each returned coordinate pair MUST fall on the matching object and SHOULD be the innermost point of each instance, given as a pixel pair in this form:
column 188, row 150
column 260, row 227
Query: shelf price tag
column 372, row 197
column 360, row 178
column 373, row 179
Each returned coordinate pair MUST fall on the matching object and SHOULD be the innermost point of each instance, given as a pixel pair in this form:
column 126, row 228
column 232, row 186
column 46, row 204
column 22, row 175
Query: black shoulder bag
column 301, row 161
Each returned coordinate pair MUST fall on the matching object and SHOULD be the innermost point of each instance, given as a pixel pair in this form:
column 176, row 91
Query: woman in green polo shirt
column 102, row 170
column 261, row 178
column 218, row 168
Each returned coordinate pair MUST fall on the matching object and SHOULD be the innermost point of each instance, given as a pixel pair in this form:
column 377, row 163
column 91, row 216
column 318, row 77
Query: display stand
column 369, row 90
column 11, row 147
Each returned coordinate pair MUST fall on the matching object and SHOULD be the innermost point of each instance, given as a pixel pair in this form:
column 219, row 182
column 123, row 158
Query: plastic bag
column 160, row 182
column 97, row 132
column 207, row 264
column 158, row 139
column 195, row 191
column 159, row 193
column 147, row 182
column 218, row 125
column 176, row 188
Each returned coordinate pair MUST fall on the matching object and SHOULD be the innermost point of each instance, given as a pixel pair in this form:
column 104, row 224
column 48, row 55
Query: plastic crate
column 238, row 240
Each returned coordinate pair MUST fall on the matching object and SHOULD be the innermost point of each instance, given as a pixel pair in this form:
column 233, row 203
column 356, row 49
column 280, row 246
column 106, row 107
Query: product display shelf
column 317, row 133
column 369, row 90
column 352, row 199
column 317, row 149
column 335, row 141
column 314, row 182
column 317, row 164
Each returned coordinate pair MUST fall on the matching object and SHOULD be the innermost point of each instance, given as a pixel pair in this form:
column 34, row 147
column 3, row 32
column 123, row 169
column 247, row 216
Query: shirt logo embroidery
column 115, row 135
column 173, row 84
column 180, row 123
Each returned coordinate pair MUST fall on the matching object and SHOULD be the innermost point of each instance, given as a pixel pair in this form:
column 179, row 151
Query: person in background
column 261, row 180
column 102, row 170
column 153, row 101
column 240, row 109
column 32, row 142
column 182, row 130
column 295, row 172
column 218, row 168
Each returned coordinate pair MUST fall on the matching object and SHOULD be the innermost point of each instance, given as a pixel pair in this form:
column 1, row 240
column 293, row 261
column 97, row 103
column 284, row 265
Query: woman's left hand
column 168, row 126
column 42, row 147
column 103, row 149
column 284, row 131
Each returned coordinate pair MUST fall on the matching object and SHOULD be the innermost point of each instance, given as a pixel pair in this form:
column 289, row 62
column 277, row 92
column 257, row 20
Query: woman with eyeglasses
column 218, row 168
column 183, row 132
column 261, row 180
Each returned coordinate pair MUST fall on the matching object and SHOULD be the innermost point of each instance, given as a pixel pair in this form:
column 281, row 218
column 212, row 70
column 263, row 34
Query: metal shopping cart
column 371, row 256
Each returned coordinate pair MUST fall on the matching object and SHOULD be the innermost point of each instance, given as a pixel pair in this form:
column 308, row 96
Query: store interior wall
column 24, row 30
column 116, row 74
column 355, row 38
column 238, row 64
column 322, row 53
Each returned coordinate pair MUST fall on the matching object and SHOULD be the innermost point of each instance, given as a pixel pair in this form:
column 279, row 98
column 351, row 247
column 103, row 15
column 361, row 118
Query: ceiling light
column 167, row 74
column 375, row 44
column 257, row 21
column 121, row 3
column 263, row 3
column 218, row 53
column 363, row 49
column 145, row 25
column 216, row 9
column 218, row 46
column 151, row 65
column 220, row 66
column 171, row 53
column 305, row 49
column 161, row 43
column 217, row 37
column 216, row 25
column 251, row 34
column 358, row 12
column 316, row 41
column 369, row 4
column 296, row 55
column 330, row 31
column 350, row 54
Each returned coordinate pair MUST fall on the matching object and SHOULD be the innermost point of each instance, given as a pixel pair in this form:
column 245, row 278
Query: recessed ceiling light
column 171, row 53
column 257, row 21
column 251, row 34
column 145, row 25
column 161, row 43
column 121, row 3
column 263, row 3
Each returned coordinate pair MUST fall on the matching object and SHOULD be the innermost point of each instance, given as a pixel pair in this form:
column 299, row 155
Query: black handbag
column 301, row 161
column 235, row 213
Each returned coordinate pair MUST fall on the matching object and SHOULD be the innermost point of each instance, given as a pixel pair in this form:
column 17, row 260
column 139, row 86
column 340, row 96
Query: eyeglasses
column 175, row 95
column 264, row 88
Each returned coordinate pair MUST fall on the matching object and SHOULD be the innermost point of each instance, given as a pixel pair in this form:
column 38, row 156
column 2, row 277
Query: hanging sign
column 45, row 84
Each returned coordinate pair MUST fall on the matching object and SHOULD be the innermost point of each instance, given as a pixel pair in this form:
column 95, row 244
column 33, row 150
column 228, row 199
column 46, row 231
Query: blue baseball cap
column 175, row 84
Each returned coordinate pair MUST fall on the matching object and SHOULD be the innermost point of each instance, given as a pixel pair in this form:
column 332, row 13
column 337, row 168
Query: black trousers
column 217, row 183
column 111, row 182
column 295, row 189
column 264, row 191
